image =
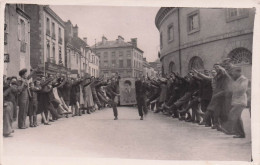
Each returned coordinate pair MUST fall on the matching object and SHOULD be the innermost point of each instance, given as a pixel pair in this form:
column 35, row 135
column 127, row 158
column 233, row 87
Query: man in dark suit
column 140, row 89
column 112, row 93
column 23, row 98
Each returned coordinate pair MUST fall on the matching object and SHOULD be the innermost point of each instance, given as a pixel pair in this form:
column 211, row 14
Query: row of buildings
column 200, row 37
column 35, row 36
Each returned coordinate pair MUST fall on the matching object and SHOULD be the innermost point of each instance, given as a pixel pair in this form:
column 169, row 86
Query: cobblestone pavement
column 156, row 137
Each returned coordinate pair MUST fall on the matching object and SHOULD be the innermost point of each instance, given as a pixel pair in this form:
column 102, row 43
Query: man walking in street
column 112, row 93
column 140, row 89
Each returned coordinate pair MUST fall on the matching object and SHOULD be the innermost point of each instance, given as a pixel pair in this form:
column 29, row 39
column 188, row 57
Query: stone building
column 93, row 63
column 16, row 39
column 200, row 37
column 120, row 57
column 47, row 39
column 148, row 70
column 79, row 57
column 157, row 66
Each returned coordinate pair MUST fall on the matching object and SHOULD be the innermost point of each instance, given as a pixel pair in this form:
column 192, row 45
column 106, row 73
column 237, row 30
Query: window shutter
column 19, row 30
column 26, row 32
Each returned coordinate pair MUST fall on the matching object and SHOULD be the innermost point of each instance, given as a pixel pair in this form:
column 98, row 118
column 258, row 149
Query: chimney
column 134, row 42
column 85, row 39
column 120, row 39
column 104, row 39
column 75, row 31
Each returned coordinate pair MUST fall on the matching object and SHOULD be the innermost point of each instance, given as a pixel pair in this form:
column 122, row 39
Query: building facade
column 47, row 39
column 93, row 69
column 189, row 38
column 120, row 57
column 79, row 57
column 16, row 39
column 148, row 70
column 157, row 66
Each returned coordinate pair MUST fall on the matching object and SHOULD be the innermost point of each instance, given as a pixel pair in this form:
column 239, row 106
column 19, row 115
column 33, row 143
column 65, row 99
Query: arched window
column 240, row 56
column 172, row 67
column 196, row 63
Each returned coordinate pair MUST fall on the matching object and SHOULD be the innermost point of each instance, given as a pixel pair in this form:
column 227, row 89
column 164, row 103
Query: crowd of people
column 213, row 98
column 53, row 97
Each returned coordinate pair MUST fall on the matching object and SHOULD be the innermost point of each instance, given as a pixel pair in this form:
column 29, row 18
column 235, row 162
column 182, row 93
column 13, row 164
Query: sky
column 129, row 22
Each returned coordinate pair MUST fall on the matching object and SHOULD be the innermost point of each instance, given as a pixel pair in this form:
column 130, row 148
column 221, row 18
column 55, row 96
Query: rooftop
column 118, row 43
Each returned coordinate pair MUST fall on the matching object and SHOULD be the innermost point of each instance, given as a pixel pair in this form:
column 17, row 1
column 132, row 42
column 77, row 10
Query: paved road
column 157, row 137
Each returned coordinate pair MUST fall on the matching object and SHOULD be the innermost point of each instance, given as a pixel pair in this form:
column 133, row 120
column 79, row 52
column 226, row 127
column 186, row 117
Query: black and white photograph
column 125, row 82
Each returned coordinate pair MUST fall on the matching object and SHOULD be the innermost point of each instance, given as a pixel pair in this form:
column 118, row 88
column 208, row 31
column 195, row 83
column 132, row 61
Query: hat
column 22, row 72
column 163, row 79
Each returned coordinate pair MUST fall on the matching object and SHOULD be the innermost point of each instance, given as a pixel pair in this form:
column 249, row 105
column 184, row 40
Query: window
column 113, row 54
column 60, row 38
column 196, row 63
column 121, row 63
column 113, row 63
column 128, row 53
column 60, row 56
column 48, row 50
column 53, row 54
column 128, row 62
column 161, row 40
column 121, row 54
column 236, row 13
column 22, row 35
column 48, row 26
column 53, row 31
column 105, row 63
column 241, row 56
column 170, row 32
column 193, row 22
column 129, row 73
column 105, row 55
column 134, row 63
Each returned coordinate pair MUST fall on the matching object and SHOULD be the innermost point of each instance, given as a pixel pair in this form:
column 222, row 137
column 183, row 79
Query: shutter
column 26, row 32
column 19, row 30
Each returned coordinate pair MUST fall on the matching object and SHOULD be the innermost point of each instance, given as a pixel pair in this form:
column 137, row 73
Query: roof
column 77, row 42
column 114, row 44
column 54, row 15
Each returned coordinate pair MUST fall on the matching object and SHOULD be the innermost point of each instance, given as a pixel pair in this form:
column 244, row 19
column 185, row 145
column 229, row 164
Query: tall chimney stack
column 134, row 42
column 85, row 39
column 75, row 31
column 104, row 39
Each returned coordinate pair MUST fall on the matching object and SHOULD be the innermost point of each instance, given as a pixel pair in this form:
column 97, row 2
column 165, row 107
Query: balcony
column 60, row 40
column 53, row 36
column 48, row 32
